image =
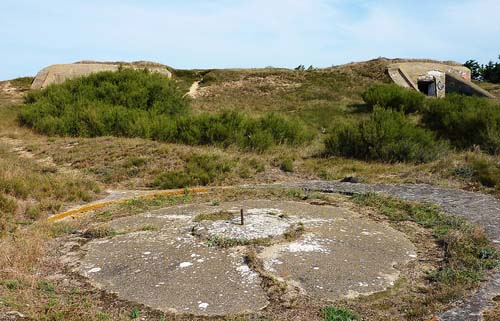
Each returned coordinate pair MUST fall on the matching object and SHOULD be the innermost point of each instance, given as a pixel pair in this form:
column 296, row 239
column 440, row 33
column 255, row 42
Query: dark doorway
column 427, row 87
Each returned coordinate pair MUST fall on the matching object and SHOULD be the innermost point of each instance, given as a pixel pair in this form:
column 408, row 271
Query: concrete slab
column 347, row 258
column 166, row 267
column 171, row 271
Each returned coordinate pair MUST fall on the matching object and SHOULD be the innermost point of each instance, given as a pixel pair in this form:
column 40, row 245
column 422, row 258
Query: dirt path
column 19, row 148
column 480, row 209
column 193, row 90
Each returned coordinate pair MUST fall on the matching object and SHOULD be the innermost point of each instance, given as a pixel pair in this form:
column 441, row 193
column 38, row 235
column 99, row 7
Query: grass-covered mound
column 131, row 103
column 387, row 136
column 465, row 121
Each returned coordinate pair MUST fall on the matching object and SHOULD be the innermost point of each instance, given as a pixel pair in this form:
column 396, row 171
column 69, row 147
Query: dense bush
column 128, row 88
column 394, row 97
column 200, row 170
column 465, row 121
column 133, row 103
column 387, row 136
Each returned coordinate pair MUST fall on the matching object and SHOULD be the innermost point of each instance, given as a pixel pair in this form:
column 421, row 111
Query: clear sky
column 243, row 33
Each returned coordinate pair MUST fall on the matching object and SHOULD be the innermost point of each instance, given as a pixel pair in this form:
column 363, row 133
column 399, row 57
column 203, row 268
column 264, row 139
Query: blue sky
column 243, row 33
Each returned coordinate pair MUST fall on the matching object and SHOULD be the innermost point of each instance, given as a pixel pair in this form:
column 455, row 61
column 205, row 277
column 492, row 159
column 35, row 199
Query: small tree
column 491, row 72
column 475, row 68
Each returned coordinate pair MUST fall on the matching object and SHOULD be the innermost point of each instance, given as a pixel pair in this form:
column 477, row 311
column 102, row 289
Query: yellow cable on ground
column 91, row 207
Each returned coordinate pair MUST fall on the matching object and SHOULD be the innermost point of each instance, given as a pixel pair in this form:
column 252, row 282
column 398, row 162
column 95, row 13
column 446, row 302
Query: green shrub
column 394, row 97
column 287, row 165
column 174, row 179
column 118, row 103
column 131, row 103
column 481, row 170
column 387, row 136
column 132, row 89
column 200, row 170
column 465, row 121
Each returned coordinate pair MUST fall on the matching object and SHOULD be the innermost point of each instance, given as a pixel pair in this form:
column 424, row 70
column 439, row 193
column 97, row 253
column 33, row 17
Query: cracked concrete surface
column 480, row 209
column 164, row 266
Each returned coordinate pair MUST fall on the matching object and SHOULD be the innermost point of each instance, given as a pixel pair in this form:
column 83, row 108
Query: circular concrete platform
column 159, row 261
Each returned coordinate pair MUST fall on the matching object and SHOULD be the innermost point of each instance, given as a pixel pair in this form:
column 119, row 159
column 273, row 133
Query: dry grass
column 491, row 88
column 31, row 189
column 30, row 264
column 493, row 313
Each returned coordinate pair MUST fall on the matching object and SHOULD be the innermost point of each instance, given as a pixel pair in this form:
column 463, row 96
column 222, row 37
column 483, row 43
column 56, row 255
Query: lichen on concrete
column 341, row 254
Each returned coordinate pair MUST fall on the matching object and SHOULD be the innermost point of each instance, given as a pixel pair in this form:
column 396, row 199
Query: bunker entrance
column 427, row 87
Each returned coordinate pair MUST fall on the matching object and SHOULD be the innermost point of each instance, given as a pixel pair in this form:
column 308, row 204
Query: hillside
column 322, row 98
column 123, row 153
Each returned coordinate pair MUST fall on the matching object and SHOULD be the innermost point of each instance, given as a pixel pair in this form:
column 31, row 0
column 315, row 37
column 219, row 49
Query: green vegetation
column 23, row 201
column 479, row 169
column 338, row 314
column 218, row 216
column 465, row 121
column 134, row 313
column 23, row 83
column 387, row 136
column 468, row 252
column 234, row 128
column 394, row 97
column 287, row 165
column 239, row 111
column 200, row 170
column 489, row 72
column 225, row 243
column 131, row 103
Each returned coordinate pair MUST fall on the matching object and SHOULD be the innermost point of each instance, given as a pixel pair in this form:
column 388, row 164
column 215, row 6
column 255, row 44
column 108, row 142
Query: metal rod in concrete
column 242, row 216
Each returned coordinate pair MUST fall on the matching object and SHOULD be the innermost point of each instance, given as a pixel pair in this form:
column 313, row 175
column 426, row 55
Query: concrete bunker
column 176, row 265
column 57, row 74
column 435, row 79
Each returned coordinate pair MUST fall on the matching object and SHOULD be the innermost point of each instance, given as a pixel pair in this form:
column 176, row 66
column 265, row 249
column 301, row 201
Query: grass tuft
column 338, row 314
column 218, row 216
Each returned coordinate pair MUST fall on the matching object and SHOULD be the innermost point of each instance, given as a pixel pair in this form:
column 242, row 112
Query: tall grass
column 28, row 191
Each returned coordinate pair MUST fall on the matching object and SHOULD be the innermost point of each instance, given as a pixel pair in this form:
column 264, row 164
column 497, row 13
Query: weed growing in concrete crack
column 295, row 232
column 103, row 316
column 100, row 232
column 218, row 216
column 338, row 314
column 134, row 313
